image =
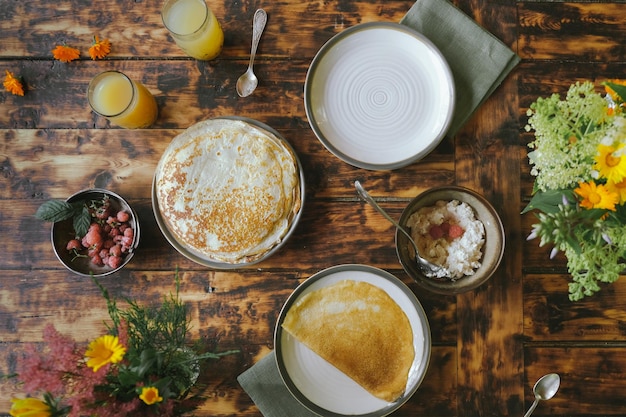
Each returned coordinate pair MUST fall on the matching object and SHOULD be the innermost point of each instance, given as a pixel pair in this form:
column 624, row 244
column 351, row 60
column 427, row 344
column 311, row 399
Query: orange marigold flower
column 65, row 53
column 612, row 92
column 100, row 48
column 13, row 85
column 596, row 196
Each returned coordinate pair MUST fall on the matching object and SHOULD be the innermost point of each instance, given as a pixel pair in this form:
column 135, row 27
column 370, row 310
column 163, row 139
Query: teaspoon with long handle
column 544, row 389
column 428, row 268
column 247, row 83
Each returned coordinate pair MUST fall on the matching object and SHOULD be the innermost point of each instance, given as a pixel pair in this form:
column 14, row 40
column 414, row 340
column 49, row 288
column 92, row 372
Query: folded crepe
column 359, row 329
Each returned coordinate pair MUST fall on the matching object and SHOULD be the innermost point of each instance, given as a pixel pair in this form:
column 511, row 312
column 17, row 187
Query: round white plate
column 321, row 387
column 379, row 95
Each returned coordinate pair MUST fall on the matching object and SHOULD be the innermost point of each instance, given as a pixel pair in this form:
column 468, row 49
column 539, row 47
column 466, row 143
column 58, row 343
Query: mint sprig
column 59, row 210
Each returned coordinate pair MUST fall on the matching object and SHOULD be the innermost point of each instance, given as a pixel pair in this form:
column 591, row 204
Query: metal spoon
column 544, row 389
column 428, row 268
column 247, row 83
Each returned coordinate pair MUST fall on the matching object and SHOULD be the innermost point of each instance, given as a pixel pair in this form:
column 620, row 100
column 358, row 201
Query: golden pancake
column 227, row 190
column 359, row 329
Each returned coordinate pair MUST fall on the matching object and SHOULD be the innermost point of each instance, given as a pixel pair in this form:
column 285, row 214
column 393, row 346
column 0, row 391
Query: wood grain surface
column 489, row 345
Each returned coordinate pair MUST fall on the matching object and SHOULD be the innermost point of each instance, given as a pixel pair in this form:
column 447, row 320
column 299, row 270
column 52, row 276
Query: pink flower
column 44, row 370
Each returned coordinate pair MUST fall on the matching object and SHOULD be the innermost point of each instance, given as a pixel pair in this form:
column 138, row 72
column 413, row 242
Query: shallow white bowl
column 379, row 95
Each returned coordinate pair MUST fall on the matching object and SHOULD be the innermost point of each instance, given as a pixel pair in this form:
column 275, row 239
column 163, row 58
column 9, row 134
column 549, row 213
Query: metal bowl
column 204, row 260
column 493, row 248
column 63, row 231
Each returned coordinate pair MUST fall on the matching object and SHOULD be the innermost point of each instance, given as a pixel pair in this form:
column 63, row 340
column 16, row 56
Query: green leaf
column 620, row 90
column 55, row 211
column 548, row 201
column 82, row 220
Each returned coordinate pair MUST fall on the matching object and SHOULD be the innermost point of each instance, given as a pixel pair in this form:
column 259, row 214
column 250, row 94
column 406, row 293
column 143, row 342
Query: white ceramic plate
column 321, row 387
column 379, row 95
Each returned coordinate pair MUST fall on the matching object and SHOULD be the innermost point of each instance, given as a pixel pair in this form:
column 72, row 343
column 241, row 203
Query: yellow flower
column 29, row 407
column 618, row 188
column 610, row 163
column 150, row 395
column 596, row 196
column 13, row 85
column 105, row 349
column 65, row 53
column 100, row 48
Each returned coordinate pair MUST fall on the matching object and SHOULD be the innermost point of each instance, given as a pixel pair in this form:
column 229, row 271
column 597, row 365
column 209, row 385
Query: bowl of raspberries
column 94, row 232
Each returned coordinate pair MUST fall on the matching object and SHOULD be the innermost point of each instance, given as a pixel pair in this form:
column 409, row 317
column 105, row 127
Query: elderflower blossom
column 578, row 159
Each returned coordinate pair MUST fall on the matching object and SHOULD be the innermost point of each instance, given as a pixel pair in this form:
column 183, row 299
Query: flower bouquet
column 578, row 158
column 143, row 366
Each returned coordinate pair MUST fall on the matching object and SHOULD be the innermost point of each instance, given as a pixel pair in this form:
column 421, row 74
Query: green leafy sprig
column 157, row 347
column 59, row 210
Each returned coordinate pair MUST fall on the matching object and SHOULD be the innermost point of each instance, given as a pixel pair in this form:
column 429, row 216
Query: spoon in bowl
column 429, row 269
column 544, row 389
column 247, row 83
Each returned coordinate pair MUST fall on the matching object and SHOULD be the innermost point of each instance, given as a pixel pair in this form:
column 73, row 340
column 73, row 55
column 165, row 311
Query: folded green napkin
column 265, row 387
column 479, row 61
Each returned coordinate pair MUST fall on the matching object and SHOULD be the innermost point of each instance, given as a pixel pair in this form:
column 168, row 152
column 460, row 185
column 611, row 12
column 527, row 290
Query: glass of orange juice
column 194, row 27
column 125, row 102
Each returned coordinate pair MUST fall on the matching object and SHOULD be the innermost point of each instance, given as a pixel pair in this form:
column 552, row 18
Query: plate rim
column 328, row 46
column 300, row 289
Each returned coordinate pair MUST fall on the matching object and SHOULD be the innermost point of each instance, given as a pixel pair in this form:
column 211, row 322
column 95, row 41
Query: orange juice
column 194, row 27
column 123, row 101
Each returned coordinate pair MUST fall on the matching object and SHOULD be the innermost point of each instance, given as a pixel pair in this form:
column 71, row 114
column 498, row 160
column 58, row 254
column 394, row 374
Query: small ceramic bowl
column 63, row 232
column 492, row 250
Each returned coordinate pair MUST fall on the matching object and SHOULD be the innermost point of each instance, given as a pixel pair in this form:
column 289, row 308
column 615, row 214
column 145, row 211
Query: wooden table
column 489, row 345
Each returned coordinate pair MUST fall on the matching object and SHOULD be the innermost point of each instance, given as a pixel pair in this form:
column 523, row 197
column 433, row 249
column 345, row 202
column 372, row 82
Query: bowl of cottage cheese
column 454, row 227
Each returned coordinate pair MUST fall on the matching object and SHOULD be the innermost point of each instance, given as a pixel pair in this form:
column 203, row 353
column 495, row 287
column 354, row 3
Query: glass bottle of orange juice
column 124, row 102
column 194, row 27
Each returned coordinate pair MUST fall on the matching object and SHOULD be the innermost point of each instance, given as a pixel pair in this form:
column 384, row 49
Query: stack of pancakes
column 227, row 190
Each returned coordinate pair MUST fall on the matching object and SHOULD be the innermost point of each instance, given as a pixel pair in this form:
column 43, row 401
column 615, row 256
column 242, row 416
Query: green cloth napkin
column 479, row 61
column 265, row 387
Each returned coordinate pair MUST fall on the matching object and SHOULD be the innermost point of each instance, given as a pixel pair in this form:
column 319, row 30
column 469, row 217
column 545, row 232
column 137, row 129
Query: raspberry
column 456, row 231
column 92, row 238
column 115, row 261
column 97, row 260
column 123, row 216
column 116, row 250
column 74, row 244
column 127, row 241
column 436, row 231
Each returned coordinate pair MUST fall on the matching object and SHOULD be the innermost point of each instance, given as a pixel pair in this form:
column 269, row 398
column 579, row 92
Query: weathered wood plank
column 490, row 318
column 592, row 381
column 294, row 29
column 549, row 316
column 583, row 32
column 53, row 163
